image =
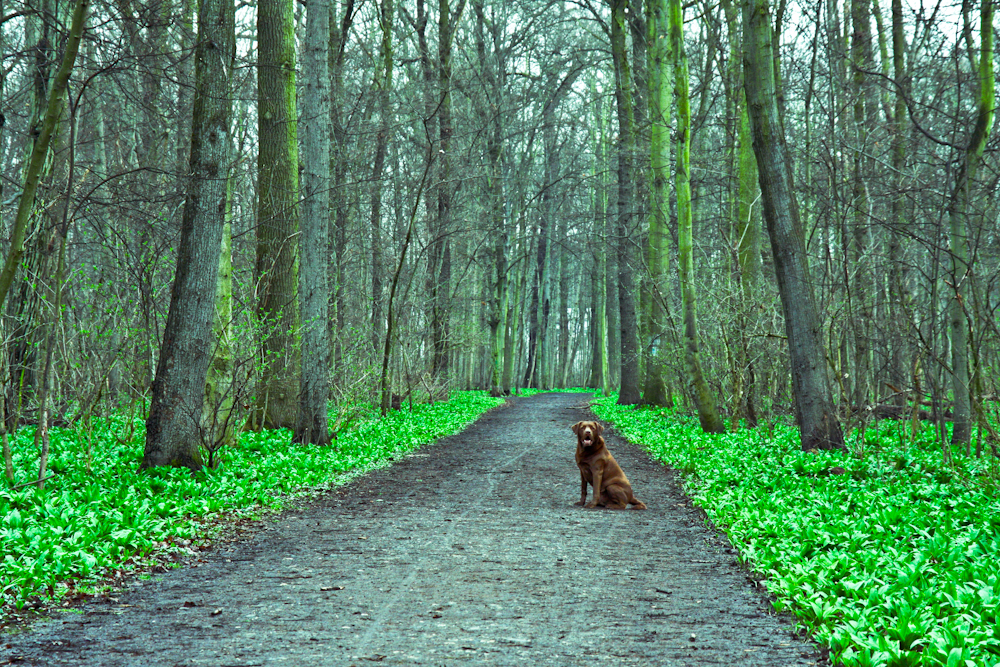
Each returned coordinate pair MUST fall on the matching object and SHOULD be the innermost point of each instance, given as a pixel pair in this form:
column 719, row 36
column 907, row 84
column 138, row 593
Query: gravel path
column 468, row 551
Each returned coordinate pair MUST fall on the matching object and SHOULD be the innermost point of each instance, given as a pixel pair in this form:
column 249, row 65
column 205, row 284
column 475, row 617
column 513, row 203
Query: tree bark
column 219, row 413
column 440, row 250
column 629, row 388
column 814, row 410
column 277, row 216
column 745, row 226
column 340, row 27
column 708, row 413
column 173, row 429
column 659, row 50
column 958, row 214
column 314, row 389
column 40, row 149
column 383, row 88
column 492, row 67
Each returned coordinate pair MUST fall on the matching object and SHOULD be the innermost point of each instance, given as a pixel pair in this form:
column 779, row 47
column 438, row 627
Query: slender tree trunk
column 745, row 226
column 597, row 264
column 708, row 413
column 440, row 274
column 340, row 26
column 40, row 149
column 383, row 87
column 899, row 282
column 173, row 429
column 277, row 216
column 815, row 414
column 563, row 280
column 862, row 275
column 659, row 50
column 219, row 415
column 493, row 74
column 958, row 216
column 629, row 389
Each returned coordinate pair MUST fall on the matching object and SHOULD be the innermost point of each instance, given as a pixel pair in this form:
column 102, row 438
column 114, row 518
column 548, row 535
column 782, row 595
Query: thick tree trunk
column 814, row 410
column 277, row 216
column 314, row 389
column 173, row 429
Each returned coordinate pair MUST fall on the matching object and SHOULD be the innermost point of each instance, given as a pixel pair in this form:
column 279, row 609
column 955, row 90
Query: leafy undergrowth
column 890, row 558
column 68, row 537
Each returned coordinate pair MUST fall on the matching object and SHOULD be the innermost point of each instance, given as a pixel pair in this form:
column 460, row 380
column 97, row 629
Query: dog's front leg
column 598, row 474
column 583, row 490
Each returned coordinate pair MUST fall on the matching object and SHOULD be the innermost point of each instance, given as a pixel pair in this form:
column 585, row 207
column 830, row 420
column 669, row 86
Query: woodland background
column 491, row 216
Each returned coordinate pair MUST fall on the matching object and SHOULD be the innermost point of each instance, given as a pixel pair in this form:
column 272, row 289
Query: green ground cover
column 888, row 555
column 83, row 525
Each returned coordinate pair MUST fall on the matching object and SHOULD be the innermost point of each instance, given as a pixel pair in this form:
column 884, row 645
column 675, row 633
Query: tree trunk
column 958, row 216
column 745, row 233
column 277, row 216
column 658, row 242
column 314, row 389
column 40, row 149
column 814, row 408
column 859, row 256
column 704, row 401
column 629, row 388
column 219, row 414
column 598, row 250
column 440, row 251
column 899, row 281
column 383, row 87
column 494, row 77
column 173, row 429
column 340, row 27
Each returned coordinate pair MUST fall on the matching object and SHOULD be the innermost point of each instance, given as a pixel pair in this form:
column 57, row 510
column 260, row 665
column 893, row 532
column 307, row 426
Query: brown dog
column 601, row 471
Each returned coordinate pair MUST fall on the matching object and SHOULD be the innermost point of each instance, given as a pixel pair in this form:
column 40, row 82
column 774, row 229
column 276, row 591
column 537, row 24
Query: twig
column 35, row 481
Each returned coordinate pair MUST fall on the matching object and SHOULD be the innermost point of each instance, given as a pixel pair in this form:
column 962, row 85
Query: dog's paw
column 590, row 506
column 579, row 503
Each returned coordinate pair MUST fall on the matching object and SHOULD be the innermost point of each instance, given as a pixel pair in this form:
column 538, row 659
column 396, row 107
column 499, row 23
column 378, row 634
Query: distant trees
column 500, row 194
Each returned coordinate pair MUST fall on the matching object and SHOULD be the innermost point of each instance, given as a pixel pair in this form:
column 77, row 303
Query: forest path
column 467, row 551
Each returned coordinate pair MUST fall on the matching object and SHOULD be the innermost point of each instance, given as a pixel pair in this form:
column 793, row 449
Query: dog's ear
column 600, row 428
column 576, row 427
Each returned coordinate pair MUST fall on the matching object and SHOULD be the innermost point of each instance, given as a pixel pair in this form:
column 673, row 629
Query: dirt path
column 468, row 551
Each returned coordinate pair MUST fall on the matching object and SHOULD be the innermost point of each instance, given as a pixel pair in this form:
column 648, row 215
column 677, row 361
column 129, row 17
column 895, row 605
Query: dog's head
column 587, row 433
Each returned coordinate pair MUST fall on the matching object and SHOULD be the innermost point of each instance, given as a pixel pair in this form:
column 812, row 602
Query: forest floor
column 466, row 551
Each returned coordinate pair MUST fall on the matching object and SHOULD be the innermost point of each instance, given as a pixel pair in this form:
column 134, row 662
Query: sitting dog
column 599, row 469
